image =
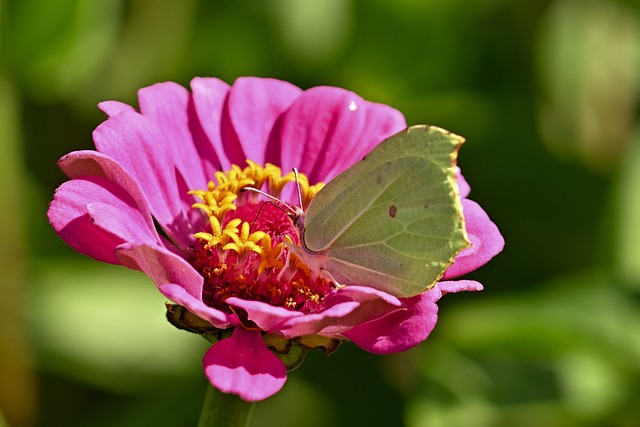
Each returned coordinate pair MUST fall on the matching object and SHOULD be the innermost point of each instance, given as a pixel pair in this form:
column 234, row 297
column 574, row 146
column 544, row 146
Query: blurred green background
column 546, row 93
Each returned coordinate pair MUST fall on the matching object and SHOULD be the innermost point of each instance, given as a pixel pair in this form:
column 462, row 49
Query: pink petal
column 179, row 295
column 168, row 106
column 94, row 216
column 253, row 106
column 175, row 278
column 330, row 322
column 242, row 365
column 142, row 150
column 404, row 329
column 401, row 329
column 453, row 286
column 162, row 266
column 328, row 129
column 485, row 238
column 92, row 163
column 344, row 308
column 463, row 185
column 382, row 121
column 209, row 98
column 266, row 317
column 111, row 108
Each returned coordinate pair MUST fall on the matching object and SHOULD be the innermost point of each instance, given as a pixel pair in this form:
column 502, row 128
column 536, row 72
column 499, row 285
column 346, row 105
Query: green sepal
column 290, row 352
column 183, row 319
column 328, row 345
column 277, row 345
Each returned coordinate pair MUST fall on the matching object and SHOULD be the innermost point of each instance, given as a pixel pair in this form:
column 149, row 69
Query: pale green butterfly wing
column 393, row 221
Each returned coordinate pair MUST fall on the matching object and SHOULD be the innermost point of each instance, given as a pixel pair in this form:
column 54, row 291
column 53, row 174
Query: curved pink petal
column 94, row 216
column 253, row 107
column 453, row 286
column 209, row 97
column 139, row 146
column 161, row 265
column 463, row 185
column 328, row 129
column 266, row 317
column 168, row 105
column 485, row 238
column 92, row 163
column 111, row 108
column 242, row 365
column 403, row 329
column 340, row 313
column 343, row 309
column 382, row 121
column 179, row 295
column 175, row 278
column 330, row 322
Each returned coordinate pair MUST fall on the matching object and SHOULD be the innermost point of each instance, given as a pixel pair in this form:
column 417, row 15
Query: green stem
column 223, row 409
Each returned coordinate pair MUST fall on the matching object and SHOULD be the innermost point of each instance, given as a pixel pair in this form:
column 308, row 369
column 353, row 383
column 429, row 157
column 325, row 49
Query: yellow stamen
column 236, row 262
column 270, row 256
column 290, row 303
column 218, row 236
column 277, row 183
column 221, row 197
column 220, row 269
column 244, row 241
column 310, row 191
column 261, row 174
column 215, row 202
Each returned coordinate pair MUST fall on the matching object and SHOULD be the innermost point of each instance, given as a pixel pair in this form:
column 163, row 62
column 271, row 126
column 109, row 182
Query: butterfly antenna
column 259, row 212
column 274, row 200
column 295, row 173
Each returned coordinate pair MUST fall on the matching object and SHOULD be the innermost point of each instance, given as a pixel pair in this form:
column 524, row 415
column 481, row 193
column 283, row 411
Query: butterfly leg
column 331, row 278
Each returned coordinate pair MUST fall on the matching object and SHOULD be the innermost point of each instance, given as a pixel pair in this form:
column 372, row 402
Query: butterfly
column 393, row 221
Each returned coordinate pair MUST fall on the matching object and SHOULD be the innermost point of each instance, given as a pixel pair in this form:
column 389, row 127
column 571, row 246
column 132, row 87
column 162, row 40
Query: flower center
column 242, row 251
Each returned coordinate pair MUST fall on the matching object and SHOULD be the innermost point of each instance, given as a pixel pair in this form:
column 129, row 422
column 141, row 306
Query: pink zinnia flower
column 153, row 198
